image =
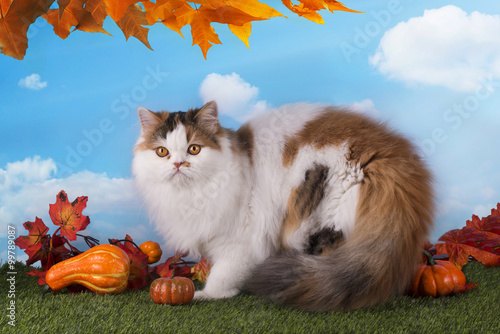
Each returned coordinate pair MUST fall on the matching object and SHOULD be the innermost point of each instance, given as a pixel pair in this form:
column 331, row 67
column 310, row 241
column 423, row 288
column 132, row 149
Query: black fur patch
column 172, row 121
column 312, row 190
column 323, row 241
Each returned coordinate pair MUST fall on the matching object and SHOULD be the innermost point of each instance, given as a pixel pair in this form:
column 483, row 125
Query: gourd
column 103, row 269
column 172, row 291
column 437, row 278
column 152, row 250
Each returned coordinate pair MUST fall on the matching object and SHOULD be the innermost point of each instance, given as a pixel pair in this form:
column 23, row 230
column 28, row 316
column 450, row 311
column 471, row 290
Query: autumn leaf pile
column 134, row 17
column 49, row 249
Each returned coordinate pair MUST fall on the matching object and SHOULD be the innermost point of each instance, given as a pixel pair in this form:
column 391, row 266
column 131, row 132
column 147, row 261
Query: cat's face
column 179, row 148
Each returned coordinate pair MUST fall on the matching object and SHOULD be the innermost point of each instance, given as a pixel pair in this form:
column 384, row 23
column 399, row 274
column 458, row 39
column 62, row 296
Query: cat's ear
column 207, row 117
column 149, row 120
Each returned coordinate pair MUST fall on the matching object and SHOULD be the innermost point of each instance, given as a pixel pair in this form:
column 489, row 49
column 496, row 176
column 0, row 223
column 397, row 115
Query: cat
column 311, row 206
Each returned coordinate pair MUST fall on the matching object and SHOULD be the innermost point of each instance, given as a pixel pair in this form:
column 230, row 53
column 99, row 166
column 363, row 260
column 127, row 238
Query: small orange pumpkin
column 437, row 278
column 172, row 291
column 103, row 269
column 152, row 250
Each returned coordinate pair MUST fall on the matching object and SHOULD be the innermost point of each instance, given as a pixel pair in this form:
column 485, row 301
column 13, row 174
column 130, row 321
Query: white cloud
column 367, row 107
column 32, row 81
column 28, row 187
column 443, row 47
column 234, row 96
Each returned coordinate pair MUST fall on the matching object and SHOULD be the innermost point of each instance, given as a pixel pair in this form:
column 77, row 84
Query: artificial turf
column 474, row 311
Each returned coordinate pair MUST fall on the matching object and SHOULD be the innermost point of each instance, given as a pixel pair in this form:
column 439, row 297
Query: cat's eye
column 161, row 151
column 194, row 149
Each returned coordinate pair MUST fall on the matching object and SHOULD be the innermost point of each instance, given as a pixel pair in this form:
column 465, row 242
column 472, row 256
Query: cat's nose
column 178, row 164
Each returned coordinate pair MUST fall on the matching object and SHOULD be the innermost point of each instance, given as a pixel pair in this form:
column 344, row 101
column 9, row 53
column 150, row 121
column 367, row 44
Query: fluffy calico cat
column 314, row 207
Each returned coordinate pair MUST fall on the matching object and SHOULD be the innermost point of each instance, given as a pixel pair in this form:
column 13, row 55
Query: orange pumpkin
column 103, row 269
column 437, row 278
column 152, row 250
column 172, row 291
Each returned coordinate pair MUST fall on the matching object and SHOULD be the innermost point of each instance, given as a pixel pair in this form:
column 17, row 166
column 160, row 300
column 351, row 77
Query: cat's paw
column 203, row 295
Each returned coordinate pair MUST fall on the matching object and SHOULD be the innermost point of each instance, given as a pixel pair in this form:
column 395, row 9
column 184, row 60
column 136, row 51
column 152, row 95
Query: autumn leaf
column 117, row 8
column 40, row 274
column 496, row 212
column 97, row 8
column 200, row 20
column 174, row 265
column 4, row 7
column 242, row 32
column 14, row 24
column 309, row 8
column 69, row 215
column 201, row 270
column 48, row 253
column 459, row 244
column 489, row 226
column 73, row 15
column 164, row 11
column 132, row 23
column 37, row 233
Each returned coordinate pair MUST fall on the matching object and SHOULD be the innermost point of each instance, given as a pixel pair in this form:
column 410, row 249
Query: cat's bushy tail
column 375, row 263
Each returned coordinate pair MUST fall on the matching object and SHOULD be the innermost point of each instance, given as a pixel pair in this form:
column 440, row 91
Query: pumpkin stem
column 173, row 273
column 430, row 260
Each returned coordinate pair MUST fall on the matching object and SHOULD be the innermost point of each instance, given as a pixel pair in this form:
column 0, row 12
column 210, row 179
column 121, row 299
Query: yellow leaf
column 132, row 24
column 242, row 32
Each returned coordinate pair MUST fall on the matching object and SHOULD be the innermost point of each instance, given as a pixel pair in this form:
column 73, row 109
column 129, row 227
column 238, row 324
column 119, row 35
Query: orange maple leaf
column 200, row 20
column 309, row 8
column 73, row 15
column 69, row 215
column 117, row 8
column 163, row 11
column 4, row 7
column 14, row 24
column 132, row 24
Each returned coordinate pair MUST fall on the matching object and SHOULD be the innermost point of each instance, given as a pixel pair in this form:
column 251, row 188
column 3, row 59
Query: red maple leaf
column 69, row 215
column 49, row 253
column 174, row 265
column 459, row 244
column 496, row 212
column 139, row 275
column 39, row 274
column 489, row 226
column 37, row 234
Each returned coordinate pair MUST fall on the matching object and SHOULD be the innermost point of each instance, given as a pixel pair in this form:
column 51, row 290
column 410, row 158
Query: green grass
column 475, row 311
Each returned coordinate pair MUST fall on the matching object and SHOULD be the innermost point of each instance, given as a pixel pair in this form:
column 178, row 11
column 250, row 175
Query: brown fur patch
column 303, row 201
column 245, row 140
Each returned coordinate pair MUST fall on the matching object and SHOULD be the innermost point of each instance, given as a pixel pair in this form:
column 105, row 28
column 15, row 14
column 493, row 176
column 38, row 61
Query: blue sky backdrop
column 431, row 69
